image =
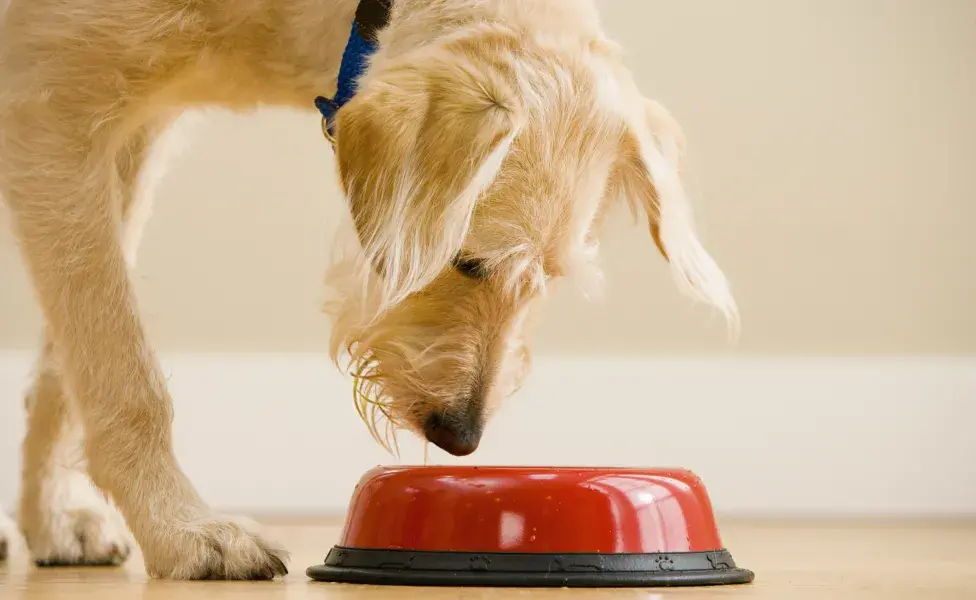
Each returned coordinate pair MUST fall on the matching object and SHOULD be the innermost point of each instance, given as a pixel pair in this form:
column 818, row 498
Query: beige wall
column 833, row 150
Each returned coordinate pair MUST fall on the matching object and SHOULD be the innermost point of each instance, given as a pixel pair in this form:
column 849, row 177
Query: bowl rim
column 539, row 468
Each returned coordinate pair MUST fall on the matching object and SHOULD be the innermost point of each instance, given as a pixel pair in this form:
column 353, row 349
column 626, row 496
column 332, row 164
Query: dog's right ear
column 649, row 176
column 416, row 148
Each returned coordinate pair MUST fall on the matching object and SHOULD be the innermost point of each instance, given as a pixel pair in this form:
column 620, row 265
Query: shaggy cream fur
column 487, row 141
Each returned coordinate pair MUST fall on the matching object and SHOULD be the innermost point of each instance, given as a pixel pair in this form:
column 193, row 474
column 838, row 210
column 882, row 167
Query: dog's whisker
column 374, row 408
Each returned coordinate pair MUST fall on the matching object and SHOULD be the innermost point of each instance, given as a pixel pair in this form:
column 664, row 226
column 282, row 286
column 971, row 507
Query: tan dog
column 487, row 140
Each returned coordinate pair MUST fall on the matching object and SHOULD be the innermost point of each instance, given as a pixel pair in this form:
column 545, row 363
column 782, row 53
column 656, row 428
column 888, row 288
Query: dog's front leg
column 65, row 199
column 64, row 519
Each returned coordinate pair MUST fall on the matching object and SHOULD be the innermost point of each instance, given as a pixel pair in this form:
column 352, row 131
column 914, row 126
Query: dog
column 484, row 144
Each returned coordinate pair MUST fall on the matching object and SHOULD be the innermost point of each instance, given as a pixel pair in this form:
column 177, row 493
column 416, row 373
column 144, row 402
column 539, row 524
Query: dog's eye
column 470, row 267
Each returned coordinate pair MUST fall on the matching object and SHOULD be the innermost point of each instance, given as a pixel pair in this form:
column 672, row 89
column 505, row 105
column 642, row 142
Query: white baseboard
column 808, row 436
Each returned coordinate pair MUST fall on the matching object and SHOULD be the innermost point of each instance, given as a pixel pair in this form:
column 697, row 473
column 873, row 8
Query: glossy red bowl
column 530, row 526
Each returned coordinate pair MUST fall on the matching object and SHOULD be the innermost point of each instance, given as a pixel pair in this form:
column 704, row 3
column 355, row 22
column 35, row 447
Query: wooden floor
column 792, row 561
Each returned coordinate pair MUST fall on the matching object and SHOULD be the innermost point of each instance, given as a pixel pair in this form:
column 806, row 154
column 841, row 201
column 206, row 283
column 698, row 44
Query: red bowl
column 530, row 526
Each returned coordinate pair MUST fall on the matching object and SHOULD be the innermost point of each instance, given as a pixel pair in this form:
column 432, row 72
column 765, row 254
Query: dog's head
column 477, row 170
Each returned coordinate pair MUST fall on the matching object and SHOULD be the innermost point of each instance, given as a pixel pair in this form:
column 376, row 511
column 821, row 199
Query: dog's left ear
column 417, row 147
column 648, row 174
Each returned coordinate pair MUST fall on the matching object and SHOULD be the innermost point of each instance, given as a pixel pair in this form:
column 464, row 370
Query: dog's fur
column 488, row 139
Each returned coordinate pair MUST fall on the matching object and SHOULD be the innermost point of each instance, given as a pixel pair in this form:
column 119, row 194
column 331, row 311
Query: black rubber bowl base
column 503, row 569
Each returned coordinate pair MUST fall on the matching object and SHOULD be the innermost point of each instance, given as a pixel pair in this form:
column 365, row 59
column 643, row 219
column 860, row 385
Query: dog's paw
column 73, row 524
column 215, row 549
column 82, row 537
column 7, row 532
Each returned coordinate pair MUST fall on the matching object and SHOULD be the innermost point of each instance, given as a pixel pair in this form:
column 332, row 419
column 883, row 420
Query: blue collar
column 371, row 16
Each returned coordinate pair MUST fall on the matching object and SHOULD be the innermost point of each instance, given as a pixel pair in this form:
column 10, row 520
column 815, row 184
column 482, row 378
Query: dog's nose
column 456, row 434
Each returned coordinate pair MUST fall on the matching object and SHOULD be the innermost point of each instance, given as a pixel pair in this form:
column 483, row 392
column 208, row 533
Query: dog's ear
column 648, row 174
column 651, row 130
column 417, row 147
